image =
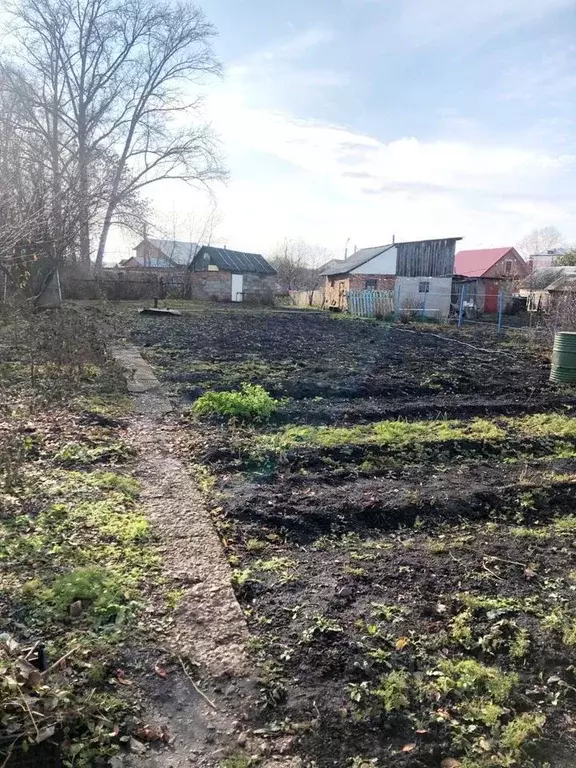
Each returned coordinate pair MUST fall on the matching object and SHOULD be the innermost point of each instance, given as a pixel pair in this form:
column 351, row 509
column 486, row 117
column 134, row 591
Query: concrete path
column 209, row 626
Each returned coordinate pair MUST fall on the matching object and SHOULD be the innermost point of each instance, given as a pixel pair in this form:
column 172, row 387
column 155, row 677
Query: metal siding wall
column 437, row 300
column 430, row 258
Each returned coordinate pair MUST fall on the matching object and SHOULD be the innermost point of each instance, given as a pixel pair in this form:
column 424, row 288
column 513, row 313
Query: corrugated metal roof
column 179, row 252
column 550, row 252
column 356, row 260
column 234, row 261
column 330, row 264
column 549, row 278
column 365, row 255
column 476, row 262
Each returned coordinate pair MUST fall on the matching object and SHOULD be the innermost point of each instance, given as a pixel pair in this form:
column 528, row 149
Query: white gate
column 237, row 287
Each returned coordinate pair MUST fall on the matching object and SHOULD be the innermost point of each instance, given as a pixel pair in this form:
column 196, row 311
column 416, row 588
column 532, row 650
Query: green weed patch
column 251, row 403
column 402, row 433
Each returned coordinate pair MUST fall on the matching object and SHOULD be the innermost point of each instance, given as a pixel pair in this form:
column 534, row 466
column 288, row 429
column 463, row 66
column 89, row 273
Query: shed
column 419, row 271
column 221, row 274
column 486, row 271
column 543, row 286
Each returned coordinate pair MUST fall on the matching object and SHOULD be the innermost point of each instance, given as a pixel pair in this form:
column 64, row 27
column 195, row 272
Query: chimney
column 393, row 239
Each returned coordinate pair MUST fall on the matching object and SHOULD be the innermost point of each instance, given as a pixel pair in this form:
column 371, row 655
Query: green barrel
column 564, row 358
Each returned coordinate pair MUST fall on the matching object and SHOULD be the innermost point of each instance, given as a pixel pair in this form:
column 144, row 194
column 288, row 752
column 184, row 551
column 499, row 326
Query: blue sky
column 362, row 119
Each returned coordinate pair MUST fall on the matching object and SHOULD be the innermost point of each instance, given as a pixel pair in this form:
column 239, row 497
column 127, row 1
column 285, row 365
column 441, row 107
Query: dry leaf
column 401, row 643
column 161, row 671
column 136, row 746
column 529, row 573
column 153, row 733
column 408, row 747
column 450, row 762
column 422, row 730
column 45, row 733
column 121, row 678
column 28, row 673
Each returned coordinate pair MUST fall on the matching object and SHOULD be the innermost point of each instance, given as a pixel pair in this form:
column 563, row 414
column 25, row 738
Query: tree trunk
column 104, row 235
column 84, row 212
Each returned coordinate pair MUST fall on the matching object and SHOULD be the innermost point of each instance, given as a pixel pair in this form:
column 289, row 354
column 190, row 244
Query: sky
column 352, row 121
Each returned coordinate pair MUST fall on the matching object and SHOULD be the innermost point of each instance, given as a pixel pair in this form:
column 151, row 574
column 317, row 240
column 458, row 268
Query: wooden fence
column 371, row 303
column 307, row 298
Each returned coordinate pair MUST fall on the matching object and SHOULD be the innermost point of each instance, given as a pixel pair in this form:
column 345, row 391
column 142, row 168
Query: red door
column 491, row 296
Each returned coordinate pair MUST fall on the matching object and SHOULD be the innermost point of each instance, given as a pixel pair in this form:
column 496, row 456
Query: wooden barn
column 485, row 272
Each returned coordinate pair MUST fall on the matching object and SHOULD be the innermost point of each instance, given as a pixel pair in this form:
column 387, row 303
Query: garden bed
column 401, row 529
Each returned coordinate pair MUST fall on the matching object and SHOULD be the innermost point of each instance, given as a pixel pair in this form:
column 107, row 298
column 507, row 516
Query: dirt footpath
column 209, row 633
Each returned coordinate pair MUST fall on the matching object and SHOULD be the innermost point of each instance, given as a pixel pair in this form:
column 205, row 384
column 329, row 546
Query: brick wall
column 211, row 286
column 259, row 288
column 217, row 286
column 383, row 282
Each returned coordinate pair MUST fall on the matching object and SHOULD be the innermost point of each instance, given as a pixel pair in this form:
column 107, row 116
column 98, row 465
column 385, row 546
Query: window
column 424, row 287
column 370, row 285
column 508, row 266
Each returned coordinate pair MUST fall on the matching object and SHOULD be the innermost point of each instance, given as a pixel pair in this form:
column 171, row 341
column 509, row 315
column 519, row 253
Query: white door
column 237, row 287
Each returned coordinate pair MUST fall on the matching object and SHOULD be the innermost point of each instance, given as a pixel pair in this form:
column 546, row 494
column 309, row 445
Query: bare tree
column 298, row 264
column 114, row 78
column 540, row 240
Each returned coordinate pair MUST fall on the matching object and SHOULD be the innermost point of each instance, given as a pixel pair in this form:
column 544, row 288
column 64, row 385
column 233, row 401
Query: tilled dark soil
column 336, row 369
column 410, row 604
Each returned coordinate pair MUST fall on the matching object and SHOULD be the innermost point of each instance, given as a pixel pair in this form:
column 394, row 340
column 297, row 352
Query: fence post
column 461, row 306
column 424, row 304
column 397, row 308
column 500, row 309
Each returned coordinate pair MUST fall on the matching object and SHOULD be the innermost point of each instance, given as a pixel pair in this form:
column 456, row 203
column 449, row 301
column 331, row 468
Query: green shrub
column 252, row 403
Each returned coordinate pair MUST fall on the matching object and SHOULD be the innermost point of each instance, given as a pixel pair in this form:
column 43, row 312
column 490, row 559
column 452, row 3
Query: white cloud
column 368, row 164
column 343, row 183
column 325, row 182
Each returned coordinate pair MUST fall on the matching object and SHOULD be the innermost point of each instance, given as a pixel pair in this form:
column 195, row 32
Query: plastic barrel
column 563, row 369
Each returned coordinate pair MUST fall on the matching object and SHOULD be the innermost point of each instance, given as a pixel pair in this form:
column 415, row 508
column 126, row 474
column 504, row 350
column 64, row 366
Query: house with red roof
column 484, row 272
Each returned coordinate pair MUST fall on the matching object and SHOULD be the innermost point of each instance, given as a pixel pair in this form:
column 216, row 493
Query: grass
column 77, row 557
column 403, row 433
